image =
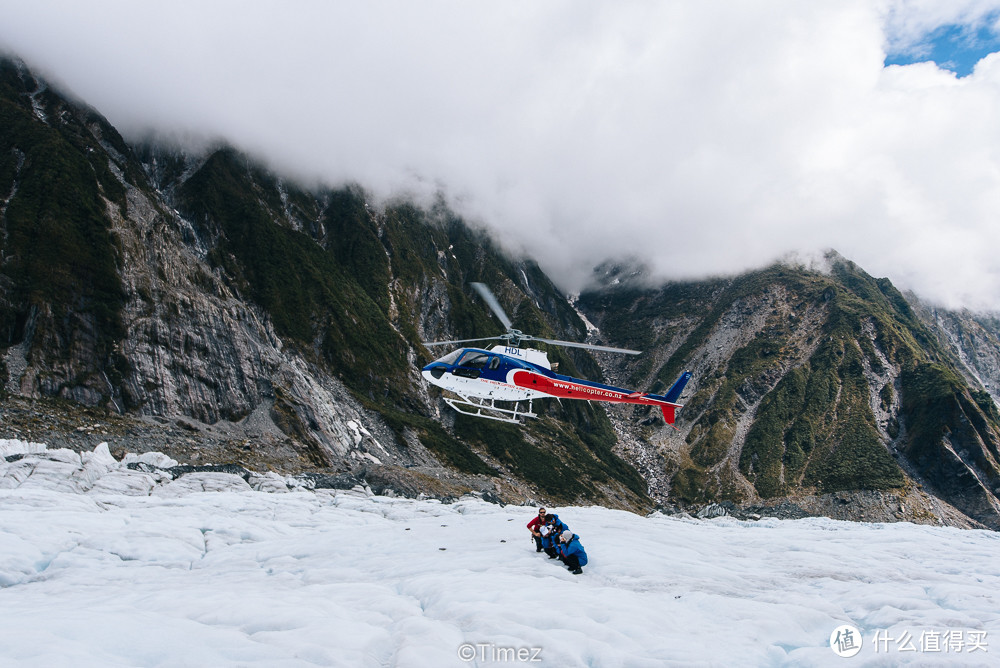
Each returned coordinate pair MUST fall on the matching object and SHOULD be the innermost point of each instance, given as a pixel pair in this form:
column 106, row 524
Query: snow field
column 179, row 576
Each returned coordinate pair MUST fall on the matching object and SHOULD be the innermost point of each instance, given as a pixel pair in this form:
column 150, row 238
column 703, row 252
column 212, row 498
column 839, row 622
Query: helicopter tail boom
column 565, row 387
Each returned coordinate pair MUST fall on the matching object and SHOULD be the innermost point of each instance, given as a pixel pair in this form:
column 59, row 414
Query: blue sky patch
column 952, row 47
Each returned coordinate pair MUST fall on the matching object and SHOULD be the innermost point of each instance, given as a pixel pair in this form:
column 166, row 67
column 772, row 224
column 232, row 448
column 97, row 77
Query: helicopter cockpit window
column 451, row 357
column 494, row 363
column 476, row 360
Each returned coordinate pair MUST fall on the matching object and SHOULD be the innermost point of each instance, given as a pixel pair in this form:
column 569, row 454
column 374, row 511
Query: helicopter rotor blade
column 443, row 343
column 515, row 337
column 492, row 302
column 589, row 346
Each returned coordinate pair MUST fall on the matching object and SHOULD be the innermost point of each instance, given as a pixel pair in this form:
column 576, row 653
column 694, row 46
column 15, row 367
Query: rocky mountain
column 823, row 386
column 200, row 305
column 972, row 338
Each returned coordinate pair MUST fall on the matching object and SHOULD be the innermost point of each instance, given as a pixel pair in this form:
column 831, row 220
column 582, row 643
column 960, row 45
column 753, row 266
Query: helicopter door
column 472, row 365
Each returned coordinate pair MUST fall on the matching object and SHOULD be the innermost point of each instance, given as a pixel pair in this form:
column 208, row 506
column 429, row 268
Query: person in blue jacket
column 571, row 552
column 550, row 538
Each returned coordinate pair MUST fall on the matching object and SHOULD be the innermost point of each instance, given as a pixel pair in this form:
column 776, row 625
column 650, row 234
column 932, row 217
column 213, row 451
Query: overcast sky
column 704, row 137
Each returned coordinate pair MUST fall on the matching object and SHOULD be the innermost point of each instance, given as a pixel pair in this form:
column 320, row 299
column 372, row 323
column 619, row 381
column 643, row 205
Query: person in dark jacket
column 535, row 526
column 571, row 552
column 550, row 542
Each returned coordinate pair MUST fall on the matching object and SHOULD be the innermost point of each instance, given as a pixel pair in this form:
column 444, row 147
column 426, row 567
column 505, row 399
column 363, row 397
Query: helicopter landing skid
column 492, row 411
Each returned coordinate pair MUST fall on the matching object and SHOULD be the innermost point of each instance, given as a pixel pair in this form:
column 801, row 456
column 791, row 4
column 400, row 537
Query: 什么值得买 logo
column 845, row 640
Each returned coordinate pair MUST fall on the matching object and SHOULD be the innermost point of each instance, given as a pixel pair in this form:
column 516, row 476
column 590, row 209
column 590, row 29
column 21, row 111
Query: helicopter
column 509, row 373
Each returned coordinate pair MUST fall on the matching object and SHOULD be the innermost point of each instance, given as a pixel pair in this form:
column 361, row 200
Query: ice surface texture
column 97, row 569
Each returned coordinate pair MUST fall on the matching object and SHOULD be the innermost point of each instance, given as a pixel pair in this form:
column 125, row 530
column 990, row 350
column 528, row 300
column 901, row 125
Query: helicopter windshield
column 451, row 357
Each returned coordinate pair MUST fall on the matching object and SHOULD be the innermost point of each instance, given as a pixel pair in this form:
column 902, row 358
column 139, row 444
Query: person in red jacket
column 535, row 527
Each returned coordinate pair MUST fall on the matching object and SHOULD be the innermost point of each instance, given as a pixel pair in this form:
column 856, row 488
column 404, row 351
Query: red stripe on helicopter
column 560, row 388
column 564, row 389
column 567, row 390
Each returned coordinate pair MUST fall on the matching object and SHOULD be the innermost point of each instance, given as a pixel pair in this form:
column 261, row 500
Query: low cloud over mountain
column 711, row 137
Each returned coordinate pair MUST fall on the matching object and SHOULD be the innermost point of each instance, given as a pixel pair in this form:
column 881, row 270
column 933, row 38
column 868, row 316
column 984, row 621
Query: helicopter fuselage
column 488, row 374
column 506, row 373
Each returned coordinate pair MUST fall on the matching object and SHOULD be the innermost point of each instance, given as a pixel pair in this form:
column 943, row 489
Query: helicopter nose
column 433, row 371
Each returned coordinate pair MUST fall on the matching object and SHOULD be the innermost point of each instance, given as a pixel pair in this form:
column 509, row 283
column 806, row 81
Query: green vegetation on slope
column 58, row 249
column 813, row 425
column 307, row 292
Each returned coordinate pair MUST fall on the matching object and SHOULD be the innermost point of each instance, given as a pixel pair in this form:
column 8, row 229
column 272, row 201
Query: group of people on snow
column 552, row 536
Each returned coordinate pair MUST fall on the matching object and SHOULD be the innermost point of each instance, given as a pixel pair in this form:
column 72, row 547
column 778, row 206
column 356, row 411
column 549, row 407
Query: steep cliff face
column 111, row 298
column 61, row 292
column 972, row 338
column 806, row 383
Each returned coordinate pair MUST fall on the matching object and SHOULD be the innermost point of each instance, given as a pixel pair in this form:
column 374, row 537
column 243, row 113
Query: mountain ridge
column 828, row 378
column 281, row 327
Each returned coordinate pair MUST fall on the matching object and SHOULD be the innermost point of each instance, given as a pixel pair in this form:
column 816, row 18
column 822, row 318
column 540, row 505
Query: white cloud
column 706, row 137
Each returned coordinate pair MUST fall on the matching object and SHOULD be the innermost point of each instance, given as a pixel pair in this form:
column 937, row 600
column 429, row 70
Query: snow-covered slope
column 97, row 569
